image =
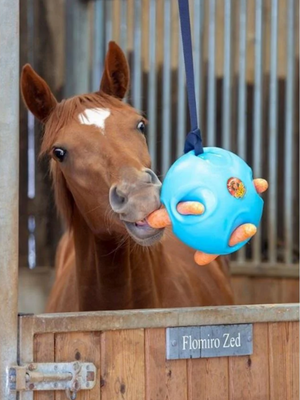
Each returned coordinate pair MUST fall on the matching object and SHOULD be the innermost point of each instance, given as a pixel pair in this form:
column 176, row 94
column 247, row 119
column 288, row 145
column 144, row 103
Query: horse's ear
column 36, row 94
column 115, row 78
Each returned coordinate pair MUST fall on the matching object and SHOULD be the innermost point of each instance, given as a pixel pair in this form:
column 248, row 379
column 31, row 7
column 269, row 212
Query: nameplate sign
column 209, row 341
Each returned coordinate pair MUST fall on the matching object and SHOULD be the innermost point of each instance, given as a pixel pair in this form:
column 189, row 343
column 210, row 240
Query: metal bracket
column 71, row 377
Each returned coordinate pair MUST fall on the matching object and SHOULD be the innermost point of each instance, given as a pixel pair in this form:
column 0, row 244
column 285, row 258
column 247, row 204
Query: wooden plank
column 289, row 291
column 43, row 350
column 277, row 349
column 249, row 290
column 176, row 382
column 81, row 346
column 284, row 360
column 155, row 359
column 259, row 366
column 122, row 365
column 242, row 289
column 239, row 378
column 292, row 363
column 164, row 379
column 160, row 318
column 208, row 379
column 248, row 375
column 266, row 291
column 265, row 269
column 127, row 373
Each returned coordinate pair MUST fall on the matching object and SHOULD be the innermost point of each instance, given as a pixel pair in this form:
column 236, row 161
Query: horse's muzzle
column 133, row 199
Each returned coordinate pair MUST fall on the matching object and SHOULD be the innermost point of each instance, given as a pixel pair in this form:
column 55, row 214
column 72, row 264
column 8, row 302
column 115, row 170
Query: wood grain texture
column 248, row 375
column 292, row 357
column 164, row 379
column 123, row 365
column 176, row 380
column 289, row 290
column 284, row 361
column 43, row 349
column 162, row 318
column 262, row 290
column 81, row 347
column 259, row 367
column 265, row 269
column 266, row 291
column 133, row 366
column 155, row 364
column 243, row 289
column 277, row 349
column 208, row 379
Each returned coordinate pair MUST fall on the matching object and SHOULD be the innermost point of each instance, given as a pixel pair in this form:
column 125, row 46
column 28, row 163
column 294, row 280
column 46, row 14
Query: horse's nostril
column 121, row 196
column 117, row 198
column 152, row 178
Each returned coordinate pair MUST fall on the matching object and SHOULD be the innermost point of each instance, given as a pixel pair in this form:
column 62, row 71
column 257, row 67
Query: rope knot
column 194, row 142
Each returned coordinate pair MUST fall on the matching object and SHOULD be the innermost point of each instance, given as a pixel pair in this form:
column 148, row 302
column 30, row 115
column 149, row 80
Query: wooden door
column 128, row 349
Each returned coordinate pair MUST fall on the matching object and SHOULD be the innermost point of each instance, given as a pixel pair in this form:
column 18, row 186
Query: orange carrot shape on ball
column 161, row 219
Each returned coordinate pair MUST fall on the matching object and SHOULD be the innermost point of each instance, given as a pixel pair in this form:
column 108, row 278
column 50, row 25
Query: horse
column 109, row 258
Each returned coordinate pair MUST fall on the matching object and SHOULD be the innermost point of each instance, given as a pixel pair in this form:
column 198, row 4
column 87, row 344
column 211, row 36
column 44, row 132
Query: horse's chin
column 142, row 233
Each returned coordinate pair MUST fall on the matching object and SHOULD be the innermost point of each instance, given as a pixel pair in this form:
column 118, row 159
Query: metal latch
column 71, row 377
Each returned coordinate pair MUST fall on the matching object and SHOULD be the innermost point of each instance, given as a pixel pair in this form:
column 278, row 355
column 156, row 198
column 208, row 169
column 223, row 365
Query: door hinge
column 71, row 377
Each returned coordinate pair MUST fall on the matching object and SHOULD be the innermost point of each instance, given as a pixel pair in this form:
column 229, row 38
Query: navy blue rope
column 193, row 140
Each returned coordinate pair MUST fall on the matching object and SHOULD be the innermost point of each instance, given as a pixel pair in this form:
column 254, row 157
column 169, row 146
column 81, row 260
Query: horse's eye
column 141, row 126
column 59, row 153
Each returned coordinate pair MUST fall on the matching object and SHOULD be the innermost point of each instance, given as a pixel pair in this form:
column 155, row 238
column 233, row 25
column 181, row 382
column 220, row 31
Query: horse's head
column 100, row 161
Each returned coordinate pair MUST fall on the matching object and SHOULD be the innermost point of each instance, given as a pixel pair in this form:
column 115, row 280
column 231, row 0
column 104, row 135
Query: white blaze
column 94, row 116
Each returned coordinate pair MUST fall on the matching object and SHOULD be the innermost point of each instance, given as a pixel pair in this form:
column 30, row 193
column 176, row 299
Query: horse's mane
column 63, row 114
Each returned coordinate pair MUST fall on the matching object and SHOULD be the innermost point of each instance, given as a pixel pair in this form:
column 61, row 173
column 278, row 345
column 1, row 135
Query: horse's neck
column 111, row 275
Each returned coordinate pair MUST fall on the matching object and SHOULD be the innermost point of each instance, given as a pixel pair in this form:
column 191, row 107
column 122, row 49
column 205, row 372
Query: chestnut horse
column 110, row 258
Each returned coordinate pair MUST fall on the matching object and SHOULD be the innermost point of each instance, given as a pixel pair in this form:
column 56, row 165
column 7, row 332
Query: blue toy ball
column 223, row 183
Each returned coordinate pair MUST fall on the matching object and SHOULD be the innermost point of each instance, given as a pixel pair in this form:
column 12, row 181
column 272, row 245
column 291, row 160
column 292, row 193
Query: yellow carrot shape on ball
column 204, row 258
column 161, row 219
column 243, row 232
column 190, row 208
column 261, row 185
